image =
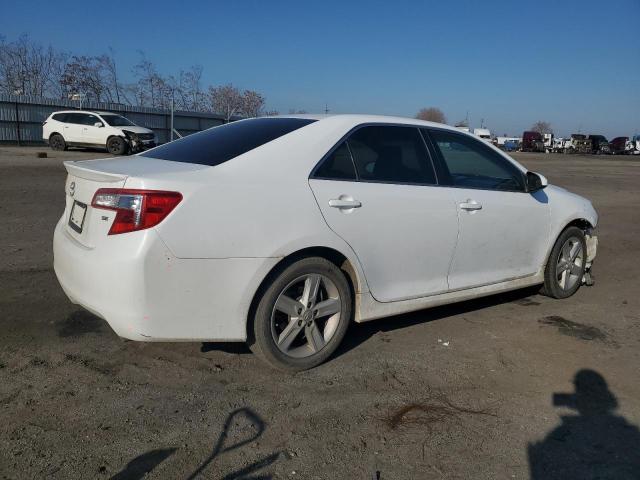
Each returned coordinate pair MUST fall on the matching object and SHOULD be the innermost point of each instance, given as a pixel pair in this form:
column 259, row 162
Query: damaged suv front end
column 139, row 142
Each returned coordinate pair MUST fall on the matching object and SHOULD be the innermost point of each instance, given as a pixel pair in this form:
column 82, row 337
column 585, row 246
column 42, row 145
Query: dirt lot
column 464, row 391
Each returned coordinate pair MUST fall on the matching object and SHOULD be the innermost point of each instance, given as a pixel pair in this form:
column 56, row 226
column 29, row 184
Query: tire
column 117, row 146
column 56, row 142
column 285, row 331
column 566, row 265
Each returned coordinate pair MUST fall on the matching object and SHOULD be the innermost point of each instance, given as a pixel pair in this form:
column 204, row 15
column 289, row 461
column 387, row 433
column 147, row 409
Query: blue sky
column 575, row 64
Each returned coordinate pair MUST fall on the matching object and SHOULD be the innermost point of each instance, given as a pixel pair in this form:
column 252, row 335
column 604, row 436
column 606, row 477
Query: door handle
column 470, row 205
column 344, row 203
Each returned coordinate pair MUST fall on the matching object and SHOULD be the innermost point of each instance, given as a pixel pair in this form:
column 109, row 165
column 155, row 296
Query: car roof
column 357, row 119
column 97, row 112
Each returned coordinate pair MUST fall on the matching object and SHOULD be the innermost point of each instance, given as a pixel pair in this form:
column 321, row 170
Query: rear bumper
column 145, row 293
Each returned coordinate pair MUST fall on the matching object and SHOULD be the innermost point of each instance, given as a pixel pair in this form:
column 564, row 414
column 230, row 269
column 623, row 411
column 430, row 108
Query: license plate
column 76, row 219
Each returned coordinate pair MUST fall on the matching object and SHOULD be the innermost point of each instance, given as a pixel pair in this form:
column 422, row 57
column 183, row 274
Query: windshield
column 117, row 121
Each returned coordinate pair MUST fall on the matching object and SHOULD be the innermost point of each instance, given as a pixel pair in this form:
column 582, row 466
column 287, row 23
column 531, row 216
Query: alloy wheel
column 306, row 315
column 570, row 262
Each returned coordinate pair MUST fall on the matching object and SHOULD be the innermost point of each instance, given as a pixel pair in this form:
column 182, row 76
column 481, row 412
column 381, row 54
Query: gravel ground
column 463, row 391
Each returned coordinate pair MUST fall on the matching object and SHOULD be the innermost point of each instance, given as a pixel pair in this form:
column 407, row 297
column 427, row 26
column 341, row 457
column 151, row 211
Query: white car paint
column 76, row 134
column 194, row 275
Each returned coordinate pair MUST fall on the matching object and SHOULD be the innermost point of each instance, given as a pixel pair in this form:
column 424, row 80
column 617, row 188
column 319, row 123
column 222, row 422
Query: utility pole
column 172, row 99
column 326, row 109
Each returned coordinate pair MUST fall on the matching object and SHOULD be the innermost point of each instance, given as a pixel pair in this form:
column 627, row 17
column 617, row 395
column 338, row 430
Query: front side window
column 117, row 121
column 391, row 154
column 91, row 120
column 472, row 164
column 220, row 144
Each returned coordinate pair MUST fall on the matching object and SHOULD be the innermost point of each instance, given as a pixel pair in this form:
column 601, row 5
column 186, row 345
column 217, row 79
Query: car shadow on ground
column 595, row 443
column 359, row 333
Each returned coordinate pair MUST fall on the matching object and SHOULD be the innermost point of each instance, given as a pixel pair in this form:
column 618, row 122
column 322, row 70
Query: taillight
column 135, row 209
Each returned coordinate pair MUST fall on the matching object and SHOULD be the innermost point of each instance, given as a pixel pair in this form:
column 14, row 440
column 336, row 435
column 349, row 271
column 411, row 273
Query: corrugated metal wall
column 31, row 112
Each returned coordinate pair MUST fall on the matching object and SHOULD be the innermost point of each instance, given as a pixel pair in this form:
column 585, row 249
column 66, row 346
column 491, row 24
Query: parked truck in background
column 619, row 145
column 483, row 133
column 532, row 142
column 578, row 143
column 508, row 144
column 625, row 146
column 599, row 144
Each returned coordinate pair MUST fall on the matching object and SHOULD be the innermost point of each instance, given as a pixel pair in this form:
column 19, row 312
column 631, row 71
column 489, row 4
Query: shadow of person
column 222, row 446
column 595, row 444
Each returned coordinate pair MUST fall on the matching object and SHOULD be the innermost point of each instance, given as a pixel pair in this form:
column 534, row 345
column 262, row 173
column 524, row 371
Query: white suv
column 114, row 132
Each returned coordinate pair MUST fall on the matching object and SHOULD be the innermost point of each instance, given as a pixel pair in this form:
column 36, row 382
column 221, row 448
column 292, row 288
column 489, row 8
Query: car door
column 72, row 132
column 503, row 230
column 377, row 190
column 90, row 133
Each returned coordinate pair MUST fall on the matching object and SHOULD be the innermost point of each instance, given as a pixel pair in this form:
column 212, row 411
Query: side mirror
column 535, row 182
column 98, row 124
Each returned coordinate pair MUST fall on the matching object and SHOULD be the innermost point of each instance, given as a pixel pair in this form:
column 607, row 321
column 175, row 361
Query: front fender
column 567, row 208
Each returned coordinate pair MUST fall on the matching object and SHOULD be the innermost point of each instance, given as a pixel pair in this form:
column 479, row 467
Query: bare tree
column 150, row 88
column 271, row 113
column 252, row 103
column 293, row 111
column 431, row 114
column 113, row 88
column 28, row 68
column 85, row 75
column 225, row 100
column 193, row 97
column 542, row 127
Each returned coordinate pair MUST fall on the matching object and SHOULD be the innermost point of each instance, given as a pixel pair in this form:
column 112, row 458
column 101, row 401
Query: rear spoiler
column 74, row 168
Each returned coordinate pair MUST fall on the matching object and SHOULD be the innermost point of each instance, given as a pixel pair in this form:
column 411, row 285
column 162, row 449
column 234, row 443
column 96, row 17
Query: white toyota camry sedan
column 281, row 231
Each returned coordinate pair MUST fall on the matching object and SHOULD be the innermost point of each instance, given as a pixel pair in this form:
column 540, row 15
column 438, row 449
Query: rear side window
column 60, row 117
column 391, row 154
column 338, row 165
column 472, row 164
column 78, row 118
column 220, row 144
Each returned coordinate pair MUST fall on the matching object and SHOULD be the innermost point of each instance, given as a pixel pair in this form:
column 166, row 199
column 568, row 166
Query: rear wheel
column 565, row 268
column 56, row 142
column 117, row 146
column 302, row 316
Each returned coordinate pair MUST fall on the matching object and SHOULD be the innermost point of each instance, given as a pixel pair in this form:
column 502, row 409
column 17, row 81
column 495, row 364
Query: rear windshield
column 219, row 144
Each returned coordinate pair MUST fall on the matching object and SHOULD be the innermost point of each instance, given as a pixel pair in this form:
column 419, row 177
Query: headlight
column 130, row 135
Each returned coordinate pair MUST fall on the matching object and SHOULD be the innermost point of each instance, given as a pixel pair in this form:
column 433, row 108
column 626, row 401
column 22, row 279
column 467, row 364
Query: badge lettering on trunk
column 72, row 188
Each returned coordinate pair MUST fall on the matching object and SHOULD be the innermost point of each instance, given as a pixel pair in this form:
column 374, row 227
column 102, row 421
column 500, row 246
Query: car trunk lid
column 88, row 225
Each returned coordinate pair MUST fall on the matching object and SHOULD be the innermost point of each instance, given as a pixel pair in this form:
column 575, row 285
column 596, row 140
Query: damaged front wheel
column 117, row 146
column 566, row 265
